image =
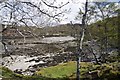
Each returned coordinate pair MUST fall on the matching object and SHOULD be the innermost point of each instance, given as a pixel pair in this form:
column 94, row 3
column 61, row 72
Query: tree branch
column 33, row 5
column 54, row 6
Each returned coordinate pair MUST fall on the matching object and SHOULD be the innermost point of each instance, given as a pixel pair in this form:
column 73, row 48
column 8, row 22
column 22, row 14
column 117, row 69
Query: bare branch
column 32, row 5
column 54, row 6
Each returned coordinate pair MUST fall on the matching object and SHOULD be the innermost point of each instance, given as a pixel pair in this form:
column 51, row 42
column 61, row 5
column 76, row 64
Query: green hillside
column 97, row 31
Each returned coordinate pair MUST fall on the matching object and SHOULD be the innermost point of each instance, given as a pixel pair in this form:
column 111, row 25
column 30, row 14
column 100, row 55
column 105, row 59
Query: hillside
column 61, row 30
column 97, row 31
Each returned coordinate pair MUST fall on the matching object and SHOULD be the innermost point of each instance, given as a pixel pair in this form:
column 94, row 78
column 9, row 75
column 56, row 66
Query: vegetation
column 8, row 74
column 106, row 71
column 105, row 32
column 97, row 31
column 88, row 71
column 67, row 71
column 59, row 71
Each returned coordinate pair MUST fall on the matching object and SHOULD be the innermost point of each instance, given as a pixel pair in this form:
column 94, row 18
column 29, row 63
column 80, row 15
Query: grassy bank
column 67, row 71
column 87, row 71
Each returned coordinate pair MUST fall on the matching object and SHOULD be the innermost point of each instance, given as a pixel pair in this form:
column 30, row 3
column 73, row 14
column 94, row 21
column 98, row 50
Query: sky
column 75, row 9
column 73, row 5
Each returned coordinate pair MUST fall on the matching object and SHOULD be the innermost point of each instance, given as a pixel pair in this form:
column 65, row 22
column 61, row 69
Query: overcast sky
column 73, row 5
column 75, row 9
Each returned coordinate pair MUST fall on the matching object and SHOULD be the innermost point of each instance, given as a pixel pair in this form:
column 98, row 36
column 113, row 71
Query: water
column 57, row 39
column 19, row 62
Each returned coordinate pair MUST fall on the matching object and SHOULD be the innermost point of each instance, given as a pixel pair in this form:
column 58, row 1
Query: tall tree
column 81, row 38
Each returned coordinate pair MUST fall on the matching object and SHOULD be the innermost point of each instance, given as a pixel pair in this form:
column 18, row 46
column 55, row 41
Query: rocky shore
column 27, row 58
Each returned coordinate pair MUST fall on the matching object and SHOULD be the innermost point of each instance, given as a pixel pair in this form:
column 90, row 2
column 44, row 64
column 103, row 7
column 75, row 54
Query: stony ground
column 34, row 55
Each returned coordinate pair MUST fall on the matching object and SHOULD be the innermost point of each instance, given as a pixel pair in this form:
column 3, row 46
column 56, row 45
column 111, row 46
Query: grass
column 8, row 74
column 67, row 71
column 59, row 71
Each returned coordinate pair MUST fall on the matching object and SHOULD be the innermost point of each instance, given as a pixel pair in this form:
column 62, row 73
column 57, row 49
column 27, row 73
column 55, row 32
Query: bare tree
column 81, row 38
column 99, row 11
column 27, row 13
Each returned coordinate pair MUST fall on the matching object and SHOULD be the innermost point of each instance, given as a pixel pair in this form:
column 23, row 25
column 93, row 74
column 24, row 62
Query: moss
column 87, row 71
column 109, row 71
column 6, row 72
